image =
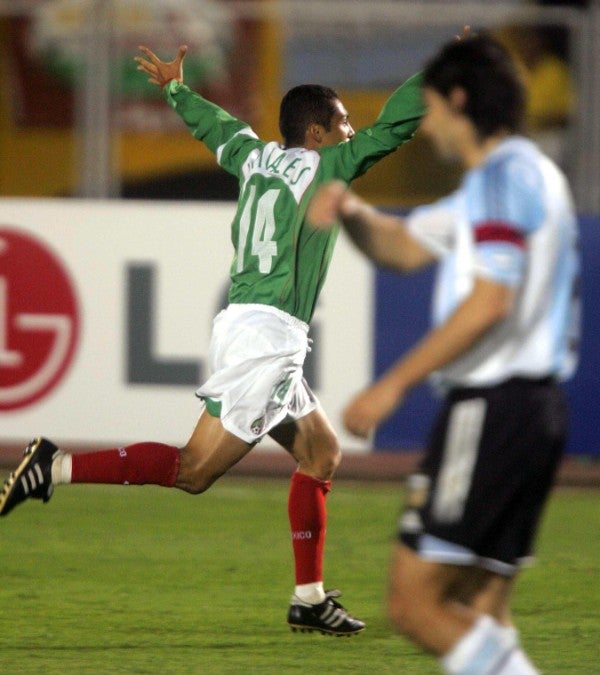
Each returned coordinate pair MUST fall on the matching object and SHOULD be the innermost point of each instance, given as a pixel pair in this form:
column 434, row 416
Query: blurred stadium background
column 83, row 138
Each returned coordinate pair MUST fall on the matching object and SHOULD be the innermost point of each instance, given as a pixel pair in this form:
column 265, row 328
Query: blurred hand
column 465, row 34
column 324, row 208
column 161, row 72
column 371, row 407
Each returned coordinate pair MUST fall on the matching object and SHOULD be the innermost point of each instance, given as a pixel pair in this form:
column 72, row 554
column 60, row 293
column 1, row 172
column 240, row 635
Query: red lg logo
column 39, row 320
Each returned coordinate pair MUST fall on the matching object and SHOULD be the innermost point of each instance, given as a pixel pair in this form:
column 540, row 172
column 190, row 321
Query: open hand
column 161, row 72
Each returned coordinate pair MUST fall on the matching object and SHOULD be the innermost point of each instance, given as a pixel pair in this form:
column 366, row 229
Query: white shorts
column 256, row 357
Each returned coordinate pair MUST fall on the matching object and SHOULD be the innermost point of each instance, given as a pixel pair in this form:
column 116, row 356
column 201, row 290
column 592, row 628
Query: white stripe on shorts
column 460, row 454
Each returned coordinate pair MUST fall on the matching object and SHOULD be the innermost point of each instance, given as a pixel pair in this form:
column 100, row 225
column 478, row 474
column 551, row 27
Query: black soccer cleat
column 32, row 478
column 328, row 617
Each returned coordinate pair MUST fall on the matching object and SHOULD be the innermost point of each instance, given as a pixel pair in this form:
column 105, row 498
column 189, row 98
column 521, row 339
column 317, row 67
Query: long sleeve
column 227, row 137
column 397, row 123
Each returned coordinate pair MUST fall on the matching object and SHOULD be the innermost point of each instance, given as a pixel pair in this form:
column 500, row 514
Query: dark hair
column 485, row 70
column 304, row 105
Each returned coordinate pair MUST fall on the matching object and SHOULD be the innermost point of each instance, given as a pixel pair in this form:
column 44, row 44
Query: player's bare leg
column 485, row 592
column 210, row 452
column 313, row 443
column 456, row 613
column 417, row 604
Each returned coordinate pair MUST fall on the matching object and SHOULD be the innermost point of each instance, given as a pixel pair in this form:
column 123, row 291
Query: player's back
column 278, row 260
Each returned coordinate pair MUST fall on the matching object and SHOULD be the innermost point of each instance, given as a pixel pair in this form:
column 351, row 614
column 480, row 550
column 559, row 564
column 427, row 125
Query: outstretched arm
column 161, row 72
column 380, row 236
column 227, row 137
column 396, row 124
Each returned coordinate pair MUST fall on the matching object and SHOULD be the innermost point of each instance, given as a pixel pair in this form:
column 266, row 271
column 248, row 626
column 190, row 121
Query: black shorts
column 489, row 466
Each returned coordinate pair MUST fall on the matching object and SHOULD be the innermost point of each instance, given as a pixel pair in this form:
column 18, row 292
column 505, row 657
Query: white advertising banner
column 105, row 319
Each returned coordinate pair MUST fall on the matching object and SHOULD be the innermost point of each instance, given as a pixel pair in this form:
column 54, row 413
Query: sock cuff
column 304, row 478
column 312, row 593
column 481, row 649
column 62, row 468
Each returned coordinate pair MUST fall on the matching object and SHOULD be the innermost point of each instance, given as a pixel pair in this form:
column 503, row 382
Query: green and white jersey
column 279, row 259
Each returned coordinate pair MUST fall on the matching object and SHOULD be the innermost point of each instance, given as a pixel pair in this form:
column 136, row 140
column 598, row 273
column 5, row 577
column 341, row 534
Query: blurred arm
column 488, row 303
column 381, row 237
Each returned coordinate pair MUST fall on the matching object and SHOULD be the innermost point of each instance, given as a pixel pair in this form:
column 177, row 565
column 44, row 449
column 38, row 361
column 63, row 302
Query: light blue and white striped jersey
column 512, row 220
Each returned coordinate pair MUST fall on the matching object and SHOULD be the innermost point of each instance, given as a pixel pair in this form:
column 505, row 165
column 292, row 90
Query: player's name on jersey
column 291, row 164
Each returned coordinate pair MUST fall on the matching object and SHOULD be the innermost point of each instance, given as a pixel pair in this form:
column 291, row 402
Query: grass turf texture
column 146, row 580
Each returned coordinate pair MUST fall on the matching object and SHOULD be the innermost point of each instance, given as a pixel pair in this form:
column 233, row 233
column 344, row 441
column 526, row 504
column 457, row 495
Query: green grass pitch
column 147, row 580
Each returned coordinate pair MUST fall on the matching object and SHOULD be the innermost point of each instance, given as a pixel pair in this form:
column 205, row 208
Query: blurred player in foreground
column 506, row 321
column 260, row 341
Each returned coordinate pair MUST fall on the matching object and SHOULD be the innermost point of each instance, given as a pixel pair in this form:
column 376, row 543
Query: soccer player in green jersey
column 259, row 342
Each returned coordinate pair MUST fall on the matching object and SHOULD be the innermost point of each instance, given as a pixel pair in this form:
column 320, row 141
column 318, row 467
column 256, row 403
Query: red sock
column 139, row 464
column 308, row 520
